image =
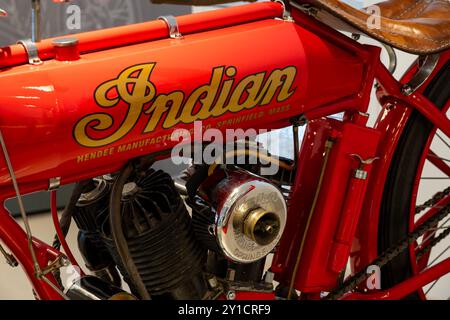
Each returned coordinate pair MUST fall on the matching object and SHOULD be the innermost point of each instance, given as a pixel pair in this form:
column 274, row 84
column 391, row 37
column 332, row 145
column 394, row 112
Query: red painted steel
column 59, row 232
column 391, row 122
column 46, row 92
column 406, row 287
column 314, row 273
column 148, row 31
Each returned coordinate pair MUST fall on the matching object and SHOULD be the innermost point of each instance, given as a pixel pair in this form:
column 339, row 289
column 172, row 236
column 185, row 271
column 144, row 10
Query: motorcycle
column 352, row 216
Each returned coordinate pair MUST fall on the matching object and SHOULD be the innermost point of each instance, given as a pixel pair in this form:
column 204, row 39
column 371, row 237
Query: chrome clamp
column 286, row 13
column 172, row 24
column 360, row 173
column 54, row 183
column 392, row 58
column 32, row 51
column 429, row 64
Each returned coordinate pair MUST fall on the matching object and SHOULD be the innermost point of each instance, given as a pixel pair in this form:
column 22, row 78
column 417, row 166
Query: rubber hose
column 67, row 214
column 115, row 220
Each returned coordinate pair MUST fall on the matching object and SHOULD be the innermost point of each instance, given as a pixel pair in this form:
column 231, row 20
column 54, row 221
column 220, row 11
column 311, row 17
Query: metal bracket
column 392, row 58
column 286, row 14
column 10, row 259
column 172, row 24
column 362, row 161
column 60, row 262
column 360, row 173
column 32, row 51
column 54, row 183
column 305, row 8
column 429, row 64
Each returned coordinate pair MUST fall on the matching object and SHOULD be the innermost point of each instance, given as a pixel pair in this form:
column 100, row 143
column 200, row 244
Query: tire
column 397, row 197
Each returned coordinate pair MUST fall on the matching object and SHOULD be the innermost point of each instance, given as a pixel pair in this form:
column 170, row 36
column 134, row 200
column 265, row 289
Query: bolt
column 11, row 260
column 65, row 261
column 231, row 295
column 407, row 90
column 356, row 36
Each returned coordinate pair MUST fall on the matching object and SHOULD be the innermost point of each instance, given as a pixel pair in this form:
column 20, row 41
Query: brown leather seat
column 416, row 26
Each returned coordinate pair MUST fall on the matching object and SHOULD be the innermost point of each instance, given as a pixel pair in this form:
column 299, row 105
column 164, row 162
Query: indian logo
column 221, row 95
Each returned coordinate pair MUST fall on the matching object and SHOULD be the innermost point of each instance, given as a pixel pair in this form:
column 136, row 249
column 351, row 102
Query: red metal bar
column 369, row 54
column 148, row 31
column 15, row 239
column 431, row 112
column 415, row 100
column 433, row 210
column 60, row 234
column 406, row 287
column 348, row 222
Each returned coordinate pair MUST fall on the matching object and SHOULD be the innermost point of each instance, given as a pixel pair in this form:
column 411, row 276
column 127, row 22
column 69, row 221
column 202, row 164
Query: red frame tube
column 15, row 239
column 147, row 31
column 406, row 287
column 61, row 237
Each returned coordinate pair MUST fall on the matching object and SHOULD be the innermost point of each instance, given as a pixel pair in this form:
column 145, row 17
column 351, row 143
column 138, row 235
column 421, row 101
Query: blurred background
column 95, row 14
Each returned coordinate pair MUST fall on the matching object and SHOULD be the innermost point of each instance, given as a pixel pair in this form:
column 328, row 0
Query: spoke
column 436, row 281
column 425, row 207
column 433, row 233
column 432, row 154
column 443, row 159
column 435, row 178
column 440, row 255
column 440, row 228
column 435, row 201
column 434, row 209
column 442, row 139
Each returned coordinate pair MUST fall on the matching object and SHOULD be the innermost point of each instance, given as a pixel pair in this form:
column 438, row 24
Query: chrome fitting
column 32, row 51
column 360, row 174
column 172, row 24
column 429, row 64
column 54, row 183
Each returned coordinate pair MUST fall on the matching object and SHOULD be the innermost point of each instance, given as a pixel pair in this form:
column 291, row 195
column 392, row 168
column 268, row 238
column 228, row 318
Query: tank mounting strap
column 172, row 24
column 32, row 51
column 429, row 63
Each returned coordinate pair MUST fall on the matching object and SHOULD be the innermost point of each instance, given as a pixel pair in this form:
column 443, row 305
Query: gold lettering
column 211, row 93
column 219, row 108
column 142, row 92
column 251, row 85
column 172, row 102
column 279, row 78
column 134, row 88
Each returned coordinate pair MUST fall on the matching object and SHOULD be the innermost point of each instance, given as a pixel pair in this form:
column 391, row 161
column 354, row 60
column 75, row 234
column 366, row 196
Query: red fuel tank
column 129, row 90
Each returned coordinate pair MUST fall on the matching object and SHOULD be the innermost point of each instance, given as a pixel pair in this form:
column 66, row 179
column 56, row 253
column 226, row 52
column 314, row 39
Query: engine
column 236, row 220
